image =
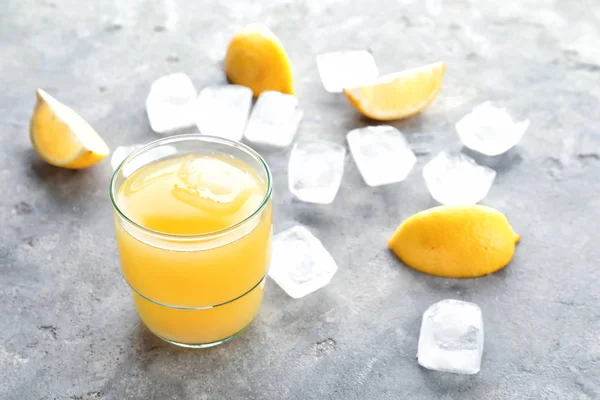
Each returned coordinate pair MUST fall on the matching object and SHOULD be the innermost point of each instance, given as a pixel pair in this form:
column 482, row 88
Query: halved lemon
column 256, row 59
column 459, row 241
column 61, row 137
column 398, row 95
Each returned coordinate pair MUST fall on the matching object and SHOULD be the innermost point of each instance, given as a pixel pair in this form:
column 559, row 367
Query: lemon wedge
column 61, row 137
column 256, row 59
column 455, row 241
column 398, row 95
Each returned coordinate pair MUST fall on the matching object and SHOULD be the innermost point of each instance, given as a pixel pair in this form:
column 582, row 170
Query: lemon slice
column 256, row 59
column 61, row 137
column 398, row 95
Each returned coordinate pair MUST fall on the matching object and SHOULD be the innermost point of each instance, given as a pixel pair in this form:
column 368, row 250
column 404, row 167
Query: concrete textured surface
column 69, row 329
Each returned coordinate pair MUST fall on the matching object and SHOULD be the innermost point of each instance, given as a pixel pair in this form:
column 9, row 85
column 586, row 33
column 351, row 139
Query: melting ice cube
column 381, row 153
column 454, row 178
column 434, row 7
column 490, row 130
column 301, row 264
column 451, row 338
column 170, row 103
column 315, row 170
column 223, row 111
column 212, row 184
column 274, row 119
column 343, row 69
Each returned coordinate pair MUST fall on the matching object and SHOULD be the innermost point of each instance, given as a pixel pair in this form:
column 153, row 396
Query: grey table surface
column 69, row 329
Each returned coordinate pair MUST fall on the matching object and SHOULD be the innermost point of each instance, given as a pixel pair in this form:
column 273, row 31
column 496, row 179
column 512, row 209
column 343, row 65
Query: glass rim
column 181, row 138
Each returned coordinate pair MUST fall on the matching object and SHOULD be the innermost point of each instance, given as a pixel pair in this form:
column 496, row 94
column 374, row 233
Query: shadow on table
column 414, row 123
column 461, row 289
column 65, row 184
column 45, row 172
column 500, row 163
column 445, row 383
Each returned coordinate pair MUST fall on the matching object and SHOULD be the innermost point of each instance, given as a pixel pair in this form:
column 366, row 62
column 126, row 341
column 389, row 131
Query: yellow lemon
column 61, row 137
column 398, row 95
column 455, row 241
column 256, row 59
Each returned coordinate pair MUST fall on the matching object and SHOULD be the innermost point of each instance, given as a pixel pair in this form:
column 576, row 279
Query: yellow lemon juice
column 197, row 260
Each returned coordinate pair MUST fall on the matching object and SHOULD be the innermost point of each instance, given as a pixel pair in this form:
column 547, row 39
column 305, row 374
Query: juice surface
column 191, row 194
column 194, row 195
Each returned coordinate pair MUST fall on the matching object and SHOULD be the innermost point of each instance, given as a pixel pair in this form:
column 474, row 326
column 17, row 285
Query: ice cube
column 490, row 130
column 451, row 338
column 223, row 110
column 454, row 178
column 300, row 264
column 121, row 153
column 382, row 154
column 274, row 119
column 343, row 69
column 212, row 184
column 434, row 7
column 315, row 170
column 170, row 103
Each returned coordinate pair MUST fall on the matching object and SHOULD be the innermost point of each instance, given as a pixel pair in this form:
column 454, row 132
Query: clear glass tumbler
column 194, row 290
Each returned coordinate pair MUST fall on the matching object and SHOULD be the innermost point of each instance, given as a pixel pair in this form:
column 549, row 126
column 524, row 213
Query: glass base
column 199, row 345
